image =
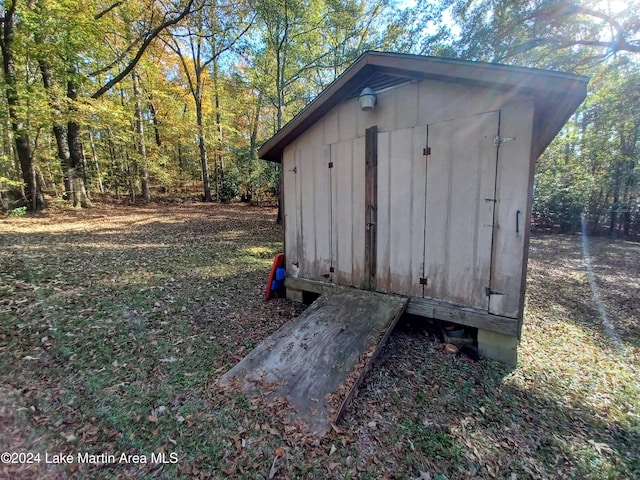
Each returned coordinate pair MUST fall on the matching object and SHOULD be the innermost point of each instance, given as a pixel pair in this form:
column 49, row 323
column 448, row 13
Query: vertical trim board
column 371, row 207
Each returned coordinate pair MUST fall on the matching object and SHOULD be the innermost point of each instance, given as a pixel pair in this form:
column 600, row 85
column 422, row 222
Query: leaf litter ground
column 116, row 322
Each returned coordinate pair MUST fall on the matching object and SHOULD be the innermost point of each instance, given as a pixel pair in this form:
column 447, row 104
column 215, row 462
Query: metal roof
column 557, row 94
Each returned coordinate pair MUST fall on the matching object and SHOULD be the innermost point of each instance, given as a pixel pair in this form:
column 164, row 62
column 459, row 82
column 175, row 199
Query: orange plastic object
column 278, row 262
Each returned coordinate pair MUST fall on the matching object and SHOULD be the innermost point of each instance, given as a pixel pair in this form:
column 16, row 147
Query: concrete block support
column 295, row 295
column 498, row 346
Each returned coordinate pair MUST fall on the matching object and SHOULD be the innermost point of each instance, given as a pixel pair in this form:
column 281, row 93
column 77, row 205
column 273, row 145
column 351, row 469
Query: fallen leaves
column 115, row 324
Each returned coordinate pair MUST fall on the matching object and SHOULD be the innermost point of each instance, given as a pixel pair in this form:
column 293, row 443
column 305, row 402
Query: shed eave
column 558, row 94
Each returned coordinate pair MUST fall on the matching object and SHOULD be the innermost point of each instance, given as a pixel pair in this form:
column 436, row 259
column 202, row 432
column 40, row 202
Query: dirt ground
column 116, row 322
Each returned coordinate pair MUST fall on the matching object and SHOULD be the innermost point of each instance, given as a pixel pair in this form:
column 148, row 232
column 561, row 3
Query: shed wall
column 325, row 211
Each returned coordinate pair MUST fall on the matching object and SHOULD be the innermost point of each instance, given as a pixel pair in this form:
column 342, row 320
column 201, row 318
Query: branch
column 149, row 38
column 620, row 45
column 118, row 59
column 230, row 45
column 101, row 14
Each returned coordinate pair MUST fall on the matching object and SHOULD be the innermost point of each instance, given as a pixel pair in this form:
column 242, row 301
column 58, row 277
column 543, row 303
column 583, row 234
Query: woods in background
column 135, row 98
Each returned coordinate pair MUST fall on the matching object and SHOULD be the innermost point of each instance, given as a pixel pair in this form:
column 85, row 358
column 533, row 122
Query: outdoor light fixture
column 367, row 99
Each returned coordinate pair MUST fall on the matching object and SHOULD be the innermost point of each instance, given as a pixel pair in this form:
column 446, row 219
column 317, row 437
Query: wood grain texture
column 358, row 209
column 513, row 194
column 426, row 307
column 322, row 210
column 383, row 221
column 400, row 200
column 315, row 363
column 459, row 209
column 291, row 211
column 343, row 211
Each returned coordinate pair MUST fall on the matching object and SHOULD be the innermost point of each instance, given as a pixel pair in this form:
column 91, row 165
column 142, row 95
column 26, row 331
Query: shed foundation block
column 295, row 295
column 498, row 346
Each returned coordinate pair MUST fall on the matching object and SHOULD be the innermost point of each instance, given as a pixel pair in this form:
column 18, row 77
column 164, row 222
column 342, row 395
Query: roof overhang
column 557, row 95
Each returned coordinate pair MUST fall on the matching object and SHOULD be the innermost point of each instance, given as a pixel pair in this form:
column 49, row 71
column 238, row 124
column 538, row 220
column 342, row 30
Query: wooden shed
column 426, row 195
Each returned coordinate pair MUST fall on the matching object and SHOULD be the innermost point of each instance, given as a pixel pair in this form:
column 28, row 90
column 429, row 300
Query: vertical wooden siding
column 434, row 214
column 315, row 206
column 400, row 226
column 291, row 212
column 459, row 216
column 347, row 227
column 513, row 193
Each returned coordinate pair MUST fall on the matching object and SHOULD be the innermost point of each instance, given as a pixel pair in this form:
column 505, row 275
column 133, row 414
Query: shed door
column 459, row 209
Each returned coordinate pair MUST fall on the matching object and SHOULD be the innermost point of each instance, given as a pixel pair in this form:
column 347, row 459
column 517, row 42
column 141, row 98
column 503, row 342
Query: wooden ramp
column 309, row 369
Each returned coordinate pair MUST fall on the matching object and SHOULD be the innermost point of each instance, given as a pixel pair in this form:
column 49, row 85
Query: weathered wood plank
column 348, row 113
column 307, row 223
column 399, row 233
column 322, row 210
column 291, row 210
column 514, row 193
column 358, row 209
column 383, row 223
column 425, row 307
column 343, row 220
column 437, row 215
column 417, row 209
column 315, row 363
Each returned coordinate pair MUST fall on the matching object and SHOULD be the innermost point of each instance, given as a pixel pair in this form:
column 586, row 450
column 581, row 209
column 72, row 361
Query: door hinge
column 498, row 140
column 423, row 280
column 330, row 164
column 488, row 292
column 331, row 270
column 426, row 151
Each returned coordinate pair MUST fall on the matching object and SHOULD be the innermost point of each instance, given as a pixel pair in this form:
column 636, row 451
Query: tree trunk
column 154, row 119
column 203, row 149
column 33, row 196
column 96, row 165
column 280, row 88
column 58, row 129
column 10, row 151
column 254, row 128
column 219, row 166
column 76, row 158
column 142, row 149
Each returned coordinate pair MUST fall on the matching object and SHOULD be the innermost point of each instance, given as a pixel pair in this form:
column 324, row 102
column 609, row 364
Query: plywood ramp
column 310, row 368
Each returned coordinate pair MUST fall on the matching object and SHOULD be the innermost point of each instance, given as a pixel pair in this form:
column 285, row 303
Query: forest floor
column 116, row 322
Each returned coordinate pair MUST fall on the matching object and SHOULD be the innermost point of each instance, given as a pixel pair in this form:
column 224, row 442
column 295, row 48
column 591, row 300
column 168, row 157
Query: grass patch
column 115, row 324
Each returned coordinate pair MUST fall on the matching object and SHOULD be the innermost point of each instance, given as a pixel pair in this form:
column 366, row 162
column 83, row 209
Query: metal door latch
column 498, row 140
column 489, row 292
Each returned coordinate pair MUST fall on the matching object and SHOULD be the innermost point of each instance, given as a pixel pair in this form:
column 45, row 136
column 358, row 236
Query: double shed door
column 325, row 212
column 435, row 210
column 387, row 217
